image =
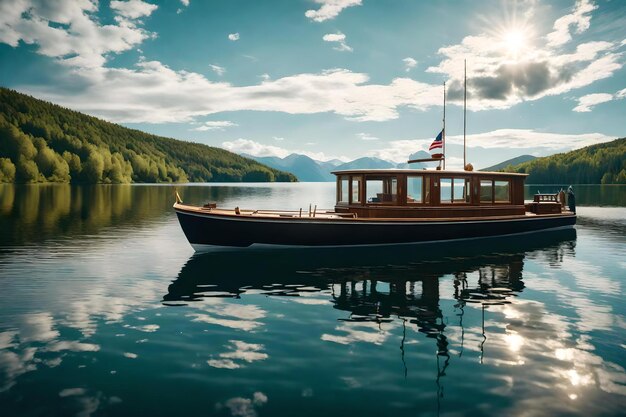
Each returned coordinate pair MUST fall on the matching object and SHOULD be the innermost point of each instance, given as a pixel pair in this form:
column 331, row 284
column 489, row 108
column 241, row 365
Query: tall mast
column 444, row 125
column 464, row 108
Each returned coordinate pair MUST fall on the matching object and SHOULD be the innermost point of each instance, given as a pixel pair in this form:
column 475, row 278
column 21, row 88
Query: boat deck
column 326, row 214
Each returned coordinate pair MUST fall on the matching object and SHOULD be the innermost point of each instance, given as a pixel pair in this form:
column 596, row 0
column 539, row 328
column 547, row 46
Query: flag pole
column 444, row 126
column 464, row 108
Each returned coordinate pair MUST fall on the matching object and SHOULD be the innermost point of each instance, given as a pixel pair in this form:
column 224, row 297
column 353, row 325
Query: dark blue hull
column 241, row 231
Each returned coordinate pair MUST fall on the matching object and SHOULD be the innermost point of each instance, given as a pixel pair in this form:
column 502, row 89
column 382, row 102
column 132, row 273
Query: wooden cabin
column 429, row 193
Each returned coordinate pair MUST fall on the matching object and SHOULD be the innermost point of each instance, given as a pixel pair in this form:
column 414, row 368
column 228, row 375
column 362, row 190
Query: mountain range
column 307, row 169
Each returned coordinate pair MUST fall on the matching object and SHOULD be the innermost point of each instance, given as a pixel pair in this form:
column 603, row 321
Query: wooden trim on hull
column 203, row 228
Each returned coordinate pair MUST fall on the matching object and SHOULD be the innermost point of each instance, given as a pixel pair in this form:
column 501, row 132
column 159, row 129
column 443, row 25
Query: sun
column 514, row 41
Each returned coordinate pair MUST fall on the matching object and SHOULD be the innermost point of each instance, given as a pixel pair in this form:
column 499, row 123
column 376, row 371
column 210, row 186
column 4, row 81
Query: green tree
column 93, row 167
column 27, row 171
column 67, row 145
column 7, row 170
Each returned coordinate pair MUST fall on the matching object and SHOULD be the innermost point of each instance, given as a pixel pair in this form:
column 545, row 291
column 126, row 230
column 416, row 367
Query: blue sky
column 331, row 78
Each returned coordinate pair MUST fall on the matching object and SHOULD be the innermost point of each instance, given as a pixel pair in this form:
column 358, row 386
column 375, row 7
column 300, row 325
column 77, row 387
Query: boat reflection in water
column 410, row 276
column 499, row 262
column 379, row 286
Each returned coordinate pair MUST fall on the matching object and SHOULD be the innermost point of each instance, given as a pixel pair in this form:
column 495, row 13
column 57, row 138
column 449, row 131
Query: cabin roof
column 427, row 172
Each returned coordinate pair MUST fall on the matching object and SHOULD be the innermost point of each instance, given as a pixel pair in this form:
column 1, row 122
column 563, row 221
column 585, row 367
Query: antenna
column 464, row 109
column 444, row 125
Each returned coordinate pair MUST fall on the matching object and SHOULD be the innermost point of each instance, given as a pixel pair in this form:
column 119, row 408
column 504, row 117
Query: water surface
column 105, row 310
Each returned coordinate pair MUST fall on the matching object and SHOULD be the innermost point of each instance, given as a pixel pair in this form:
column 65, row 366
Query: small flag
column 438, row 142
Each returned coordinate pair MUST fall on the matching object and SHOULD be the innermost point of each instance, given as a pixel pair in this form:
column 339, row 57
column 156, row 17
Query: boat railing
column 545, row 198
column 545, row 204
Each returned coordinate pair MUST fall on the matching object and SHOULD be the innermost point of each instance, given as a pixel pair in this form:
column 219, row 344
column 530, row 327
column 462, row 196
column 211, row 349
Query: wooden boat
column 382, row 207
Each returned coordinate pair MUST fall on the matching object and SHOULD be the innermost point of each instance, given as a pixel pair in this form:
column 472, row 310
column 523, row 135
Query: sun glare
column 514, row 41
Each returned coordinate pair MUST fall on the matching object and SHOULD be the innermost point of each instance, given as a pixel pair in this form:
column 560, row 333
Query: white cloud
column 217, row 69
column 264, row 77
column 38, row 327
column 358, row 332
column 72, row 346
column 338, row 38
column 399, row 150
column 585, row 103
column 366, row 136
column 70, row 392
column 154, row 93
column 409, row 63
column 278, row 139
column 253, row 148
column 499, row 77
column 239, row 353
column 185, row 4
column 330, row 9
column 246, row 325
column 580, row 19
column 69, row 30
column 215, row 125
column 243, row 407
column 133, row 9
column 247, row 352
column 233, row 36
column 526, row 138
column 335, row 37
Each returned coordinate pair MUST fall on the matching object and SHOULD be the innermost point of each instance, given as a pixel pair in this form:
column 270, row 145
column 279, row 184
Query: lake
column 106, row 311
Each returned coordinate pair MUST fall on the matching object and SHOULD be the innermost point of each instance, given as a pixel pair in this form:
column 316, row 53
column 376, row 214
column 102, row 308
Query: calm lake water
column 106, row 311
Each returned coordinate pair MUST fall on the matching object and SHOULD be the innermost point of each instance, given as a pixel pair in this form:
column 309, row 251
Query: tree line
column 43, row 142
column 604, row 163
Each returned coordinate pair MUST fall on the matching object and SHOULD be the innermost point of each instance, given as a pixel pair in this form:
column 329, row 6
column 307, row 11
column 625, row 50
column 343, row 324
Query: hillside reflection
column 34, row 213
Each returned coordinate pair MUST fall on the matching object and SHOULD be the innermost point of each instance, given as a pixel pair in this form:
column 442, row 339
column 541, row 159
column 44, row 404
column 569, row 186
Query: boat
column 384, row 207
column 390, row 207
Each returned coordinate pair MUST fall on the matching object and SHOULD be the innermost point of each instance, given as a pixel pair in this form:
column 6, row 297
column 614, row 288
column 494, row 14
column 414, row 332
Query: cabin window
column 454, row 190
column 460, row 190
column 343, row 193
column 414, row 189
column 356, row 190
column 445, row 190
column 381, row 190
column 486, row 191
column 502, row 191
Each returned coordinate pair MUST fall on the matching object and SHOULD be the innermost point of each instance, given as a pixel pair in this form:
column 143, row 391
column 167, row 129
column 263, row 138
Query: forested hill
column 43, row 142
column 604, row 163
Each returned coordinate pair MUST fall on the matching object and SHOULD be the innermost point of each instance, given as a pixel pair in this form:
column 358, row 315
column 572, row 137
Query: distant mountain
column 366, row 162
column 310, row 170
column 415, row 165
column 303, row 167
column 604, row 163
column 332, row 162
column 513, row 161
column 329, row 166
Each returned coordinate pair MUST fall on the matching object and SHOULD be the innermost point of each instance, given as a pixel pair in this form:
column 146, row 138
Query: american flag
column 438, row 142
